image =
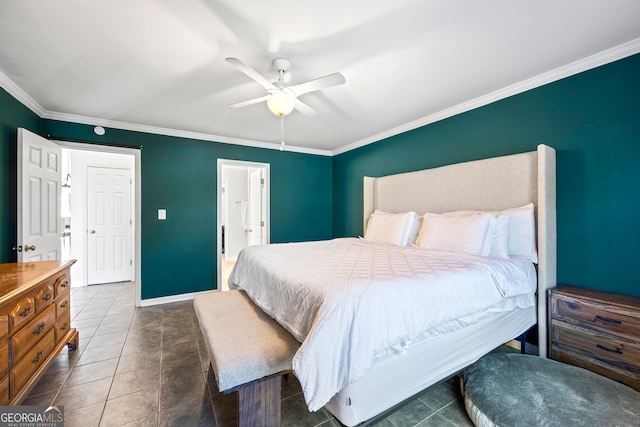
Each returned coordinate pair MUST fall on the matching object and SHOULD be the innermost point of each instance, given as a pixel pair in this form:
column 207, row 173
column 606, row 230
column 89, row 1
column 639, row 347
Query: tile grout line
column 436, row 412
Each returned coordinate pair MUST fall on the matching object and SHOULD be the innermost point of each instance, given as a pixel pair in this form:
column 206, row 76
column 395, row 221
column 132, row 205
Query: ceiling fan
column 282, row 98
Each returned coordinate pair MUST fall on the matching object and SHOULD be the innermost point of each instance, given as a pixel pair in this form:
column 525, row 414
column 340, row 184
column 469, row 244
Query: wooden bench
column 249, row 351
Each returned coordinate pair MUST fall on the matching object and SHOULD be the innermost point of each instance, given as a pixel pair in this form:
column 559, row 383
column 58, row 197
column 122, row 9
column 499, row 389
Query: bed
column 377, row 321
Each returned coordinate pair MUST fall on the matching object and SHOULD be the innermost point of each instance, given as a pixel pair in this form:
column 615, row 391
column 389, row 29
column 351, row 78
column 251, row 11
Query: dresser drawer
column 4, row 358
column 44, row 297
column 599, row 367
column 61, row 284
column 63, row 305
column 597, row 317
column 62, row 327
column 4, row 327
column 32, row 360
column 4, row 390
column 22, row 311
column 29, row 335
column 610, row 349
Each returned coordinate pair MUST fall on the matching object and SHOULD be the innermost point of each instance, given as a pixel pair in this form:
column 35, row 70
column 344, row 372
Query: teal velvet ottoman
column 509, row 389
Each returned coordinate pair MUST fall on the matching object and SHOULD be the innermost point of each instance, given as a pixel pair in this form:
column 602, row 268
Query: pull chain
column 282, row 133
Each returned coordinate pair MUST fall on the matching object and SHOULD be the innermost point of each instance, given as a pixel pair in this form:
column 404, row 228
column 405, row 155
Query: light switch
column 162, row 214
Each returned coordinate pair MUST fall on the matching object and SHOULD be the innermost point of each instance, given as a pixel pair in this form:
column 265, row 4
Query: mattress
column 350, row 301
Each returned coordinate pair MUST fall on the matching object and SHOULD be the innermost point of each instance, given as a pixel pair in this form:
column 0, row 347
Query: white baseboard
column 172, row 298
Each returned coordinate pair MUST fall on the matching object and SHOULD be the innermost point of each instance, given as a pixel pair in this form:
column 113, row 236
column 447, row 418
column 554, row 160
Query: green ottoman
column 508, row 389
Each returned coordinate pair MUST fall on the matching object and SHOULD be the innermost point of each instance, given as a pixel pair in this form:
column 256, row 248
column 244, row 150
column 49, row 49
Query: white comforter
column 350, row 300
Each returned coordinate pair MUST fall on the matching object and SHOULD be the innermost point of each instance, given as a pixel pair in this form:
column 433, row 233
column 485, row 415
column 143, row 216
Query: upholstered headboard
column 491, row 184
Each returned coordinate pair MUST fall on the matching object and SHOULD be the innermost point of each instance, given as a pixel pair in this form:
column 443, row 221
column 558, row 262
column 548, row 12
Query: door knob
column 92, row 231
column 29, row 248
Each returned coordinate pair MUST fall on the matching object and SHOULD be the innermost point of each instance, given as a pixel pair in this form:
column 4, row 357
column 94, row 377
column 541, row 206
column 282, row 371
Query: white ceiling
column 158, row 65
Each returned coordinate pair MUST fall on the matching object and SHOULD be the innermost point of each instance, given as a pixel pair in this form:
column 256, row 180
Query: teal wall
column 592, row 120
column 180, row 175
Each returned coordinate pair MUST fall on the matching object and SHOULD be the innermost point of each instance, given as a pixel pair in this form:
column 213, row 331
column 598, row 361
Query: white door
column 108, row 225
column 39, row 177
column 255, row 233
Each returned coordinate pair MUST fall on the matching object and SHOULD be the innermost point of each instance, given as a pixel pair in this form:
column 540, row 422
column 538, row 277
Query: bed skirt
column 397, row 377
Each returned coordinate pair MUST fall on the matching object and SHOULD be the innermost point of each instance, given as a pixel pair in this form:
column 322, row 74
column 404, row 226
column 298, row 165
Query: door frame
column 137, row 215
column 267, row 203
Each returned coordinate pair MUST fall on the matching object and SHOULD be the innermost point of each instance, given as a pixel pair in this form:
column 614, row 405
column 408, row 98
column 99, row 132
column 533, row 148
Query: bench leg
column 259, row 403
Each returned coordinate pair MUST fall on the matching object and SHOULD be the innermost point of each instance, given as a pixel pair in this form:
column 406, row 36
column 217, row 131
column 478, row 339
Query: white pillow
column 390, row 228
column 457, row 233
column 522, row 232
column 500, row 237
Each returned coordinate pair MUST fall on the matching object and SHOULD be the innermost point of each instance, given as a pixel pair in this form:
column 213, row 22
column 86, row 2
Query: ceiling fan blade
column 250, row 102
column 251, row 73
column 317, row 84
column 304, row 108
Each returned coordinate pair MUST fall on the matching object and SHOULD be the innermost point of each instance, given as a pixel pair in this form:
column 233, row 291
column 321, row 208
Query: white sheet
column 349, row 301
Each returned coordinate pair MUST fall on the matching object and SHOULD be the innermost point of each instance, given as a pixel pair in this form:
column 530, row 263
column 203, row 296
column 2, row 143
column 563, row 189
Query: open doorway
column 243, row 211
column 101, row 180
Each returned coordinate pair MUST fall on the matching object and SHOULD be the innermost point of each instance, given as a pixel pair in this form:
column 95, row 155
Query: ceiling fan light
column 281, row 104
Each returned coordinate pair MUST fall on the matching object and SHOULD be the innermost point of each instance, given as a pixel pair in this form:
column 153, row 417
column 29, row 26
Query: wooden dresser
column 596, row 330
column 35, row 323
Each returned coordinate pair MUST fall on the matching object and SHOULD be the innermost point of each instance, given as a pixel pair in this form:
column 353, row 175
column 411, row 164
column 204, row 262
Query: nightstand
column 596, row 330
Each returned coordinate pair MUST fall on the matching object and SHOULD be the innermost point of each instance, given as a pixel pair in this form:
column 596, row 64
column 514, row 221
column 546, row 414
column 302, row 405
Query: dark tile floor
column 149, row 367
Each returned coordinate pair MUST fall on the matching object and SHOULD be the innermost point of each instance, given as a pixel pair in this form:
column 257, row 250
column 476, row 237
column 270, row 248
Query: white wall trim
column 619, row 52
column 19, row 94
column 172, row 298
column 73, row 118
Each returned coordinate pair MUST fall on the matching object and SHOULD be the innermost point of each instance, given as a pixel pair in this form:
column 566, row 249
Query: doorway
column 116, row 167
column 243, row 211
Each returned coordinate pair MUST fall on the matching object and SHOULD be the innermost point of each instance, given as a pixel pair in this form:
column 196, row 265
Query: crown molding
column 14, row 90
column 114, row 124
column 602, row 58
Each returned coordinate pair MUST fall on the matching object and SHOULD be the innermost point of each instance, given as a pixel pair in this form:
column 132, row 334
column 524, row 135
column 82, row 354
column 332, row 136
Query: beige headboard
column 490, row 184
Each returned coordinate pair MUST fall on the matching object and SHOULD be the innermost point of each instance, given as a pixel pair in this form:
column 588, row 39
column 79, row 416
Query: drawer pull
column 39, row 329
column 25, row 312
column 614, row 350
column 38, row 356
column 64, row 284
column 47, row 297
column 64, row 326
column 64, row 304
column 605, row 320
